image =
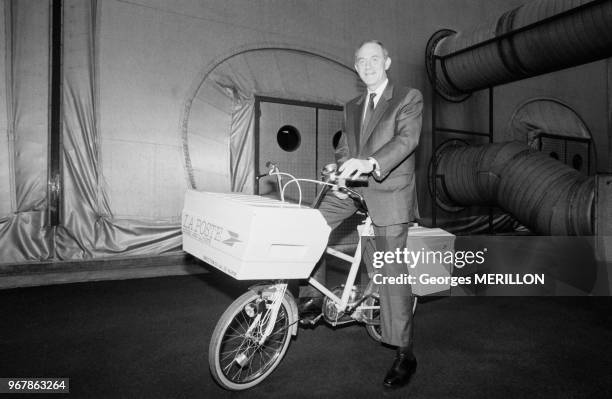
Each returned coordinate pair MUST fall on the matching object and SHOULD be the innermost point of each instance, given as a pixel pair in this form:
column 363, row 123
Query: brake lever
column 347, row 190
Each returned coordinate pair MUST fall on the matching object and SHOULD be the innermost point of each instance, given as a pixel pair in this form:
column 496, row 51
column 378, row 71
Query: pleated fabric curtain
column 127, row 156
column 24, row 113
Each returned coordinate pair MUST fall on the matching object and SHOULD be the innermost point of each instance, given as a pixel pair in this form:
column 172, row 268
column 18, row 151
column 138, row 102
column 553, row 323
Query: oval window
column 288, row 138
column 336, row 139
column 577, row 162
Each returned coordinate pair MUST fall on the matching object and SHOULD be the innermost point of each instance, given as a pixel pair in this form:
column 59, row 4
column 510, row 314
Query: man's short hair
column 382, row 46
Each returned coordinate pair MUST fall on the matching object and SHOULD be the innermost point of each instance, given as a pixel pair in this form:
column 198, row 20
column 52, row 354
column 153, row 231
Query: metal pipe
column 542, row 193
column 538, row 37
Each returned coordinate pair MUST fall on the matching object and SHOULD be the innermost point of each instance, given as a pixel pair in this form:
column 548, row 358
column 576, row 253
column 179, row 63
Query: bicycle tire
column 375, row 330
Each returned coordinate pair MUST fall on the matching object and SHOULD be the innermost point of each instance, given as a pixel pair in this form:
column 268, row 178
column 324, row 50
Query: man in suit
column 381, row 133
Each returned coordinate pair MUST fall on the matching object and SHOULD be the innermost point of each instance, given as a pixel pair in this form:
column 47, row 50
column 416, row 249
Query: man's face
column 371, row 65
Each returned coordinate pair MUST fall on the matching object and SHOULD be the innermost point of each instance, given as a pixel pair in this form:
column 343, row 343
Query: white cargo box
column 435, row 245
column 251, row 237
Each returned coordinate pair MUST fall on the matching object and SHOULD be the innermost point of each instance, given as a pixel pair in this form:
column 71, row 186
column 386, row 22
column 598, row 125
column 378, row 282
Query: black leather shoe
column 402, row 369
column 310, row 306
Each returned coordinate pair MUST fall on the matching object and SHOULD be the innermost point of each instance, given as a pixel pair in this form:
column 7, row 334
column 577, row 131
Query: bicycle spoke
column 236, row 331
column 227, row 368
column 237, row 373
column 251, row 360
column 246, row 322
column 229, row 364
column 233, row 338
column 231, row 354
column 263, row 354
column 234, row 352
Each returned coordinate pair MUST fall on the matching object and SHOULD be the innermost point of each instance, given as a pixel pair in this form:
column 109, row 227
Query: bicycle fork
column 264, row 314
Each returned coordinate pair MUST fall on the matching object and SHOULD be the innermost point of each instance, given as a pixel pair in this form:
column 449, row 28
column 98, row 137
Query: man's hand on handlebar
column 354, row 167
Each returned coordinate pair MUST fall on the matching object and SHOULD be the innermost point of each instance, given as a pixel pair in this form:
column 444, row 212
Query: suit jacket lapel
column 358, row 119
column 382, row 105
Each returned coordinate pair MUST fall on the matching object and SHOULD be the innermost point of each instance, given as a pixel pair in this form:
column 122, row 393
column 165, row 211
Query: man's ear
column 387, row 63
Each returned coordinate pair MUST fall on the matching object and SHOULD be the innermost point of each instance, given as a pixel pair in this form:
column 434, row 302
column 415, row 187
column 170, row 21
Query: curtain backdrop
column 24, row 117
column 89, row 228
column 123, row 157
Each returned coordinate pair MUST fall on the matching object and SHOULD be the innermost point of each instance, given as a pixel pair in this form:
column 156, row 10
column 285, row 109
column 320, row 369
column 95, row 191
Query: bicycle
column 253, row 334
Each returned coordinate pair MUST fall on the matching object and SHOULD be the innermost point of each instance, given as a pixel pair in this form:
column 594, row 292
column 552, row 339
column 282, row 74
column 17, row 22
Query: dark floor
column 149, row 338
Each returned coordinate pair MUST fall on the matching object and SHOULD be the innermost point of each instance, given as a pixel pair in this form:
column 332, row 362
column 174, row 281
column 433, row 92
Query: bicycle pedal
column 310, row 320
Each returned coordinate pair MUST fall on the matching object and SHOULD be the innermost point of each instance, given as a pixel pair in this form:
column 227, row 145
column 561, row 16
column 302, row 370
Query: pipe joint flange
column 433, row 63
column 436, row 180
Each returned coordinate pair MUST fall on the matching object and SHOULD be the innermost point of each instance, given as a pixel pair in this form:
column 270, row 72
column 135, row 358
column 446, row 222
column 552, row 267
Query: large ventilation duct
column 538, row 37
column 542, row 193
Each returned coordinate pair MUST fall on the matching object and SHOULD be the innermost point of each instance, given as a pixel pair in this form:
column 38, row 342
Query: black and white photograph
column 306, row 199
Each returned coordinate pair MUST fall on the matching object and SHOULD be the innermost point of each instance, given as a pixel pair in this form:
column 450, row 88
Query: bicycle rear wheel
column 375, row 330
column 236, row 359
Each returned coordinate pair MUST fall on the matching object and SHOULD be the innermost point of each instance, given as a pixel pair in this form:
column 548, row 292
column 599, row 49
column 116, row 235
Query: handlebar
column 329, row 179
column 330, row 176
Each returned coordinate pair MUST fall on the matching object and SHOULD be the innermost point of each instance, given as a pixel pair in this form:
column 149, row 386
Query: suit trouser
column 395, row 299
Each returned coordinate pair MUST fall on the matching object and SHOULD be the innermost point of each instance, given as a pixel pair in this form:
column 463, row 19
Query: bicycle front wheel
column 236, row 358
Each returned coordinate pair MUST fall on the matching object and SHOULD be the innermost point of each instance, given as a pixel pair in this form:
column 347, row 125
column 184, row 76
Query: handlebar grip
column 333, row 178
column 360, row 178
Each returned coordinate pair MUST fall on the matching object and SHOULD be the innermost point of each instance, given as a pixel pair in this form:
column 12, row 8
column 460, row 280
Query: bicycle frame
column 365, row 230
column 342, row 302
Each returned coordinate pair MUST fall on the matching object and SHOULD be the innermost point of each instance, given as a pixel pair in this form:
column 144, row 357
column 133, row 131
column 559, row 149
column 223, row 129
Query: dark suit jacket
column 391, row 138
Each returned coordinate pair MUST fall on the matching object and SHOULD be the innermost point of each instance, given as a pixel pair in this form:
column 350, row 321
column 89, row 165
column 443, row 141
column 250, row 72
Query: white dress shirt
column 379, row 91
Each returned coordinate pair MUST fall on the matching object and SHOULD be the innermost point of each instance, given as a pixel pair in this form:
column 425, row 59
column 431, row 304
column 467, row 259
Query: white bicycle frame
column 276, row 294
column 365, row 230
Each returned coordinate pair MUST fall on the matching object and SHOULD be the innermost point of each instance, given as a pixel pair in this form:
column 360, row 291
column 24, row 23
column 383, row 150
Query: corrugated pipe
column 542, row 193
column 538, row 37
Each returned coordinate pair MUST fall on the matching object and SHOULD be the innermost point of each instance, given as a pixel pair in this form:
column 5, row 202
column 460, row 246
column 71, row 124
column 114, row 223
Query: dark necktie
column 368, row 113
